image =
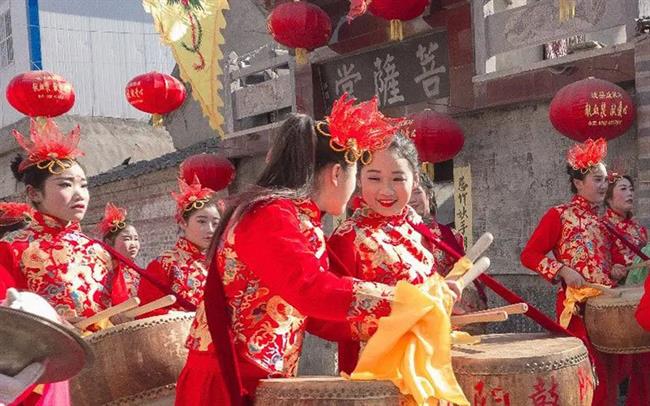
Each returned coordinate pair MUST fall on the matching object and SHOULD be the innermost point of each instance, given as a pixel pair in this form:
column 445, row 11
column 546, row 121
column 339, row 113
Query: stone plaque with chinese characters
column 406, row 72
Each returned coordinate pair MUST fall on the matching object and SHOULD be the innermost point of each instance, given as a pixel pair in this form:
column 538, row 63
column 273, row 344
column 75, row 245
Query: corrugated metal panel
column 99, row 45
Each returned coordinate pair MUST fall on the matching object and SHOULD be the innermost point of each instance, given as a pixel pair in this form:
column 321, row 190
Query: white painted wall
column 21, row 56
column 98, row 46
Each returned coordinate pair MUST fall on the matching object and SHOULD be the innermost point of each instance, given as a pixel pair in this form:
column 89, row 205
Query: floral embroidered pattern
column 584, row 244
column 631, row 230
column 61, row 264
column 184, row 266
column 388, row 249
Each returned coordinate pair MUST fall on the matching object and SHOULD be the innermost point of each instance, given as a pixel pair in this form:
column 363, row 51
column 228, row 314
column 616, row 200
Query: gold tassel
column 41, row 121
column 429, row 169
column 567, row 10
column 396, row 30
column 157, row 120
column 301, row 56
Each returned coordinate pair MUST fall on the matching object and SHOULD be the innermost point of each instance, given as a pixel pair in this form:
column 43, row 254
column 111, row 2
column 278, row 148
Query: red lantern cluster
column 300, row 25
column 592, row 108
column 213, row 171
column 40, row 94
column 155, row 93
column 438, row 137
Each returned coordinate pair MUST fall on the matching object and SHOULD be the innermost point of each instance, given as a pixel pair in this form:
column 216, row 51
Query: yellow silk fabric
column 460, row 268
column 412, row 346
column 573, row 297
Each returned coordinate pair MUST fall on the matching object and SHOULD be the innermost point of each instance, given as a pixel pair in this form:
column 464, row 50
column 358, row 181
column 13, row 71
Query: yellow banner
column 192, row 28
column 463, row 202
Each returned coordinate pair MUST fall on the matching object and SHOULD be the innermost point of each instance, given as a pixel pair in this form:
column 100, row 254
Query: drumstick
column 482, row 244
column 156, row 304
column 105, row 314
column 517, row 308
column 479, row 317
column 603, row 289
column 474, row 272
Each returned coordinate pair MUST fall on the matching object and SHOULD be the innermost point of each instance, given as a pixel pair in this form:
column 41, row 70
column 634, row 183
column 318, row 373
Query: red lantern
column 213, row 171
column 438, row 137
column 155, row 93
column 300, row 25
column 592, row 108
column 40, row 94
column 394, row 10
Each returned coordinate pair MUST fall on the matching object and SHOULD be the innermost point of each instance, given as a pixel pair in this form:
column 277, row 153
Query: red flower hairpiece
column 192, row 196
column 48, row 148
column 586, row 155
column 114, row 219
column 12, row 213
column 359, row 129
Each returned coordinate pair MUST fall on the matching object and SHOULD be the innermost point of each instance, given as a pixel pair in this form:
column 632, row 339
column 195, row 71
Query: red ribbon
column 163, row 288
column 616, row 233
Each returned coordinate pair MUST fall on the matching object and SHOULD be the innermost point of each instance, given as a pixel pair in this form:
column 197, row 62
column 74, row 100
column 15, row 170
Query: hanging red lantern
column 155, row 93
column 592, row 108
column 40, row 94
column 396, row 11
column 300, row 25
column 438, row 137
column 213, row 171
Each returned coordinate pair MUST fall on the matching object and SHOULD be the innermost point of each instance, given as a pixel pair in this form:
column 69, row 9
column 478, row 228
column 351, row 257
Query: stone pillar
column 642, row 84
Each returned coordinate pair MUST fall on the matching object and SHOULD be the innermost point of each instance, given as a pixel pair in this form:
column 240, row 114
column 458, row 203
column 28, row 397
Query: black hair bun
column 15, row 164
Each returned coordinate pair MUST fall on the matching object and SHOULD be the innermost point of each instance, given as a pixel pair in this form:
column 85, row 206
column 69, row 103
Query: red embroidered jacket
column 375, row 248
column 61, row 264
column 131, row 278
column 183, row 269
column 382, row 249
column 578, row 240
column 274, row 269
column 444, row 261
column 631, row 230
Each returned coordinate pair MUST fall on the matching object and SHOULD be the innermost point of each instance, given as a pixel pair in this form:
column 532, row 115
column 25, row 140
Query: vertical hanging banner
column 463, row 202
column 193, row 30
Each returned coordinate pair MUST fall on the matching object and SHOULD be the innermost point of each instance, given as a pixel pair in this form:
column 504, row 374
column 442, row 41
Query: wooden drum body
column 611, row 324
column 327, row 391
column 525, row 369
column 135, row 363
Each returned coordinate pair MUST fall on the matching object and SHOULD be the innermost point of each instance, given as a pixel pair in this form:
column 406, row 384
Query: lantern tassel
column 428, row 169
column 301, row 56
column 396, row 30
column 157, row 120
column 567, row 10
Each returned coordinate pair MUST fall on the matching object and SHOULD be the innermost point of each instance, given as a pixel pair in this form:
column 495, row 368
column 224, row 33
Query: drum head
column 26, row 338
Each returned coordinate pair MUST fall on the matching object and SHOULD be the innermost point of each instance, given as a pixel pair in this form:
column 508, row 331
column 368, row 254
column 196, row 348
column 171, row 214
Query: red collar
column 53, row 224
column 183, row 244
column 584, row 204
column 310, row 208
column 369, row 216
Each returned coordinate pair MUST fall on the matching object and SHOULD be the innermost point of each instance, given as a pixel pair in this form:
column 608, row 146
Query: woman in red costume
column 582, row 249
column 271, row 269
column 619, row 201
column 120, row 234
column 50, row 256
column 183, row 268
column 379, row 242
